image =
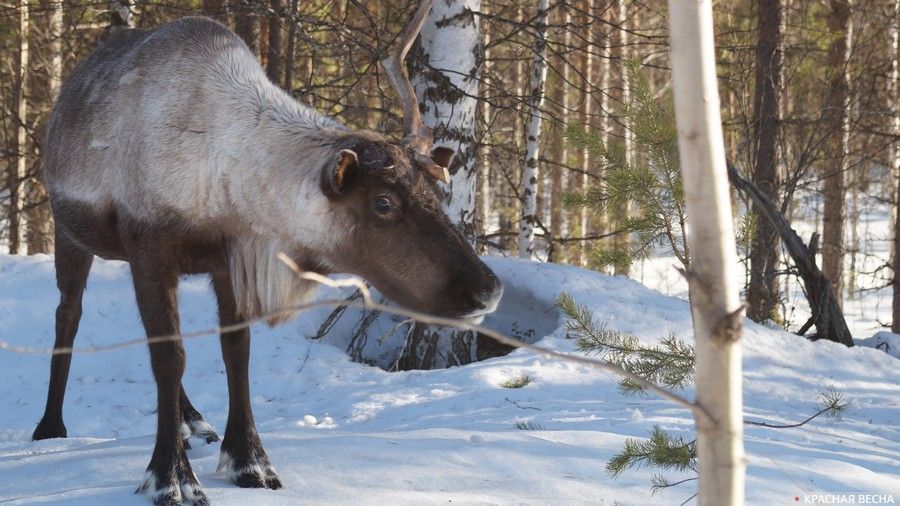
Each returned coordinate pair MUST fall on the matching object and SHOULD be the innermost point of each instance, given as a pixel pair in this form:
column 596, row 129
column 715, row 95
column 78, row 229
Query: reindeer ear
column 343, row 171
column 442, row 156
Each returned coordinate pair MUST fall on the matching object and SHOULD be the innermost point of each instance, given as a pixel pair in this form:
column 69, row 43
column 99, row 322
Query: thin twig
column 790, row 425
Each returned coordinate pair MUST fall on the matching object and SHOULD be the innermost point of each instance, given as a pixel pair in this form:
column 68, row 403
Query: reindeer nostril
column 489, row 298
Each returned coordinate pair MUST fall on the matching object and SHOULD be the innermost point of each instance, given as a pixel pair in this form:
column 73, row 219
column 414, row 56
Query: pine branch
column 662, row 450
column 671, row 363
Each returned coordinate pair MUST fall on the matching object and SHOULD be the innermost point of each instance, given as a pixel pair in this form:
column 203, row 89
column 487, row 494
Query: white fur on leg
column 149, row 489
column 186, row 492
column 201, row 427
column 192, row 491
column 226, row 467
column 185, row 430
column 225, row 461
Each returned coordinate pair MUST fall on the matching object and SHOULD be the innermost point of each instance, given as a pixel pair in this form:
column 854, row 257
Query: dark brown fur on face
column 402, row 241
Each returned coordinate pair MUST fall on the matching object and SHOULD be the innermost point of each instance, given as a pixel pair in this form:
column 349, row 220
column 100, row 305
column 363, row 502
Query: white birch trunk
column 16, row 179
column 714, row 287
column 487, row 219
column 530, row 172
column 446, row 78
column 586, row 106
column 40, row 221
column 563, row 225
column 447, row 88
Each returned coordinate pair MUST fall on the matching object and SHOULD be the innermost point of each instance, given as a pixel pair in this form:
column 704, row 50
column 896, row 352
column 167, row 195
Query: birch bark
column 713, row 280
column 530, row 172
column 445, row 76
column 17, row 170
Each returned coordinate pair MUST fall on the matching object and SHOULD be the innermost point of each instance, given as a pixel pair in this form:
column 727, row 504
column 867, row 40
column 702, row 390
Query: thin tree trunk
column 273, row 56
column 17, row 170
column 518, row 134
column 836, row 147
column 484, row 173
column 215, row 9
column 622, row 211
column 559, row 226
column 40, row 219
column 853, row 249
column 894, row 160
column 895, row 326
column 762, row 293
column 291, row 45
column 246, row 23
column 586, row 111
column 530, row 173
column 712, row 275
column 604, row 106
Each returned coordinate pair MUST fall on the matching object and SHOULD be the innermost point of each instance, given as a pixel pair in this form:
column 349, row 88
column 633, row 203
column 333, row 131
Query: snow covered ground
column 426, row 436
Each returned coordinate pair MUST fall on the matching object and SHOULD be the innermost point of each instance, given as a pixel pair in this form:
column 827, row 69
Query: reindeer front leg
column 243, row 458
column 169, row 480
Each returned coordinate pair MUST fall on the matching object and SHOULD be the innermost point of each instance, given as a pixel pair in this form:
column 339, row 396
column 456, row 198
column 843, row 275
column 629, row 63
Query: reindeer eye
column 383, row 205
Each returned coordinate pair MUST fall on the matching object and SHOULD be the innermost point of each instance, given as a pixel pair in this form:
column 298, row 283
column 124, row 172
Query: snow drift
column 339, row 431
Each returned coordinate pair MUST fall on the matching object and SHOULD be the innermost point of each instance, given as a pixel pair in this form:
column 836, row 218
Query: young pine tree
column 652, row 182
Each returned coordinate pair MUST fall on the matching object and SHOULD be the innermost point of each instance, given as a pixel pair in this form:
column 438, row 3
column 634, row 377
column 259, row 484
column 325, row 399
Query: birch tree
column 712, row 278
column 38, row 215
column 530, row 172
column 587, row 66
column 17, row 170
column 445, row 76
column 484, row 174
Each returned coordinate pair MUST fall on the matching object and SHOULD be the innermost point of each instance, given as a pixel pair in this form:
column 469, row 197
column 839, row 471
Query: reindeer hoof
column 184, row 491
column 256, row 474
column 257, row 478
column 49, row 430
column 200, row 429
column 203, row 430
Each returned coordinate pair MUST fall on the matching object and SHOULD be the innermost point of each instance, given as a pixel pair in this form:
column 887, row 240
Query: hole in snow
column 393, row 343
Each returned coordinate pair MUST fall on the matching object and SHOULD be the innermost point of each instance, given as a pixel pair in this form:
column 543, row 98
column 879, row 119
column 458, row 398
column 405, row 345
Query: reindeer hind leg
column 73, row 264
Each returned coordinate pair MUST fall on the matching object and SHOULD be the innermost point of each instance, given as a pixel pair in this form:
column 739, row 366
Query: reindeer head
column 399, row 238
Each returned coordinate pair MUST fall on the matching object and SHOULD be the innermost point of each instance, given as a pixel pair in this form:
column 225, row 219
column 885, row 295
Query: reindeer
column 170, row 149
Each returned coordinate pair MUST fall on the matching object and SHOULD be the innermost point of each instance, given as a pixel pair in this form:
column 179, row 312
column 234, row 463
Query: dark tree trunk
column 273, row 57
column 291, row 44
column 246, row 23
column 895, row 327
column 826, row 312
column 836, row 145
column 762, row 294
column 215, row 9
